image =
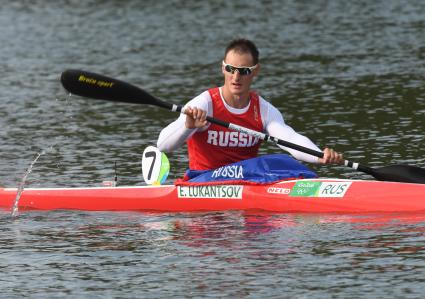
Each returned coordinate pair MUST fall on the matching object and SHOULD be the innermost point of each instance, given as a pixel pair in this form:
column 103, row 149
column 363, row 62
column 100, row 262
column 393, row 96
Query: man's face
column 237, row 84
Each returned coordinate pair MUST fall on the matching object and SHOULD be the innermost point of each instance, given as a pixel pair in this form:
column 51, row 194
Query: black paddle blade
column 400, row 173
column 92, row 85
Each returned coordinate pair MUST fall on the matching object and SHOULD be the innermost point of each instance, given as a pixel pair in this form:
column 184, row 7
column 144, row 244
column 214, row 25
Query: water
column 230, row 255
column 348, row 75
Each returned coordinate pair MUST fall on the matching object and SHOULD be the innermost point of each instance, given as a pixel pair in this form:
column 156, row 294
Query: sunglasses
column 243, row 70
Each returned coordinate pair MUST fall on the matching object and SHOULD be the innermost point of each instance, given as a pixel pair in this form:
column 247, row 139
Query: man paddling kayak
column 211, row 146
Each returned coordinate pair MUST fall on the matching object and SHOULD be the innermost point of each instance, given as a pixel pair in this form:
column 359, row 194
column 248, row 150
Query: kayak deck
column 306, row 196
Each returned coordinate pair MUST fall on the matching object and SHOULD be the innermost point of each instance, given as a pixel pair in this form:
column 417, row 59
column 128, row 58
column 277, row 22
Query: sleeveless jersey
column 218, row 146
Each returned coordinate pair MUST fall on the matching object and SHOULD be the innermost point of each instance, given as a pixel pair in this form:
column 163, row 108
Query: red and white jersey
column 218, row 146
column 222, row 146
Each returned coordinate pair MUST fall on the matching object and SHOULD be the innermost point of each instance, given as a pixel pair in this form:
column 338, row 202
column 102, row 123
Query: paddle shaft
column 97, row 86
column 253, row 133
column 265, row 137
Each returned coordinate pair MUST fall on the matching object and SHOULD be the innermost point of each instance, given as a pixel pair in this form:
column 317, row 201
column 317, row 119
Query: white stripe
column 355, row 165
column 86, row 188
column 253, row 133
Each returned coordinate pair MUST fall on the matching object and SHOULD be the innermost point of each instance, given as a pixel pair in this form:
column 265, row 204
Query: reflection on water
column 245, row 253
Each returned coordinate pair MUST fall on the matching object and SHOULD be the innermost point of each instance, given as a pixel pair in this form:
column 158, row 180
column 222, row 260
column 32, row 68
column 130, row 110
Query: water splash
column 22, row 184
column 47, row 148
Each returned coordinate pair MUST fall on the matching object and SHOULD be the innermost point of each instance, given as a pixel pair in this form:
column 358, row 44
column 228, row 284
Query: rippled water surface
column 347, row 74
column 126, row 255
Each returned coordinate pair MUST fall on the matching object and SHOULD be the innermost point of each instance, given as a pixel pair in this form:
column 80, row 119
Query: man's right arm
column 176, row 133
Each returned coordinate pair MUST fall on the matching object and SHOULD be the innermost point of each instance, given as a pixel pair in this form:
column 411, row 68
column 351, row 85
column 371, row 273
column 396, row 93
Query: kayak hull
column 301, row 196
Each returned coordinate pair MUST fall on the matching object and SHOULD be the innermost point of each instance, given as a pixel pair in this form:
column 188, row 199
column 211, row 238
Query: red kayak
column 306, row 196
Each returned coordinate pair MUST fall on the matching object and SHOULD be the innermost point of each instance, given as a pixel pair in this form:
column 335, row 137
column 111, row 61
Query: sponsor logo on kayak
column 233, row 171
column 320, row 189
column 213, row 191
column 276, row 190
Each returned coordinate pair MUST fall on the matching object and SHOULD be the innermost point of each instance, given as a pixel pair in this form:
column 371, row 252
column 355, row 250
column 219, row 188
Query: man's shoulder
column 265, row 103
column 269, row 112
column 203, row 96
column 201, row 101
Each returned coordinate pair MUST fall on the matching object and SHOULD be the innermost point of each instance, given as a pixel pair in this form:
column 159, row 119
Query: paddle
column 97, row 86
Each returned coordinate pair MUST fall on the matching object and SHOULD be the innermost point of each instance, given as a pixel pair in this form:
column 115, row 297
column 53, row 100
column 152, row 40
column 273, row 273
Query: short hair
column 243, row 46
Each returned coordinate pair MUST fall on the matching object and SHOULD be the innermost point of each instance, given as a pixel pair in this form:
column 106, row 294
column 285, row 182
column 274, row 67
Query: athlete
column 211, row 146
